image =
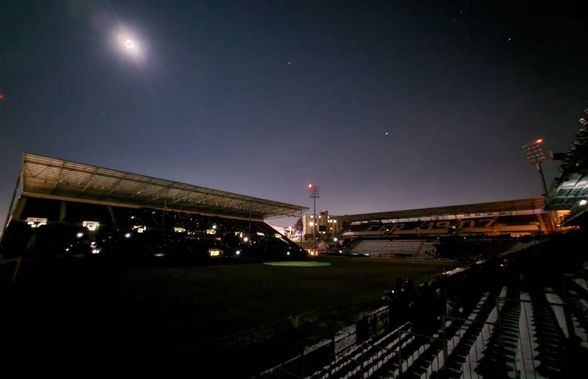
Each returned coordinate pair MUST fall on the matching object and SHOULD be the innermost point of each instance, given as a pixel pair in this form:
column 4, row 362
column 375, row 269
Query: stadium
column 138, row 271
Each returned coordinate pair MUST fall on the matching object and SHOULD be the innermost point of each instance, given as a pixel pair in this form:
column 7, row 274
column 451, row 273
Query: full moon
column 130, row 44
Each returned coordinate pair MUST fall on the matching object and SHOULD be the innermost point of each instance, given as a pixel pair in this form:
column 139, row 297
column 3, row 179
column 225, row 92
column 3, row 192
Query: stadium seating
column 509, row 317
column 134, row 234
column 406, row 248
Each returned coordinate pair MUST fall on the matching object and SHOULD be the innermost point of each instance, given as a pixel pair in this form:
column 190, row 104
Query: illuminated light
column 311, row 223
column 179, row 229
column 334, row 221
column 140, row 228
column 583, row 202
column 238, row 252
column 214, row 252
column 454, row 271
column 245, row 239
column 132, row 217
column 2, row 97
column 92, row 244
column 210, row 231
column 80, row 235
column 35, row 222
column 335, row 239
column 67, row 249
column 309, row 185
column 91, row 225
column 214, row 227
column 260, row 234
column 288, row 253
column 96, row 251
column 128, row 235
column 159, row 255
column 539, row 140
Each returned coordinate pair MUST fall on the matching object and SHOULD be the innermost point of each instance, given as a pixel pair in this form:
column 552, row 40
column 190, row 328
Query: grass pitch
column 174, row 309
column 219, row 300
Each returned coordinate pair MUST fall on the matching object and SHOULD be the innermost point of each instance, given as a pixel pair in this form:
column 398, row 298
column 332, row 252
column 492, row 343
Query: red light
column 2, row 97
column 539, row 140
column 310, row 185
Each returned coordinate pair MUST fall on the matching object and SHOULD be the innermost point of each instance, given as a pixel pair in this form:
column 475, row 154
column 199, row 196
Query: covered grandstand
column 63, row 208
column 419, row 232
column 570, row 190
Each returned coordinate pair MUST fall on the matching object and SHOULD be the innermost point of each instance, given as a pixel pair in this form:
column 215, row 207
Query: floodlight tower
column 535, row 156
column 314, row 194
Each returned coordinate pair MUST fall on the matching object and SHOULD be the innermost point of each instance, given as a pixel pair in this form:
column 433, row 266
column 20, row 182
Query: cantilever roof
column 568, row 190
column 59, row 179
column 497, row 206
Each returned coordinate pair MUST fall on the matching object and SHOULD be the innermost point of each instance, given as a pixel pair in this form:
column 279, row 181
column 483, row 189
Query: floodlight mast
column 536, row 156
column 314, row 193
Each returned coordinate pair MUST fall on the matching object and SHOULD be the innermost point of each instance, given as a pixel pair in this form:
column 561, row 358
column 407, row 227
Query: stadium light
column 535, row 156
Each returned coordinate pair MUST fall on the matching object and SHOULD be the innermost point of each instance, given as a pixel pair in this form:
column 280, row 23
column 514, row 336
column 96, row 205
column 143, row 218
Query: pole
column 314, row 194
column 540, row 169
column 11, row 203
column 314, row 223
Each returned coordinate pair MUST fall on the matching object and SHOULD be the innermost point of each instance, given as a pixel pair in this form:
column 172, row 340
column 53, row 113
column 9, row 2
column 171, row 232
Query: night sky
column 386, row 105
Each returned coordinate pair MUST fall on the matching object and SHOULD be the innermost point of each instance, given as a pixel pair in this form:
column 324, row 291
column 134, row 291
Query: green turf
column 236, row 306
column 219, row 300
column 298, row 264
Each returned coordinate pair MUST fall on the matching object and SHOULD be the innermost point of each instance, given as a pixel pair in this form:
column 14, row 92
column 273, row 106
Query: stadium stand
column 70, row 210
column 464, row 231
column 502, row 318
column 570, row 189
column 402, row 248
